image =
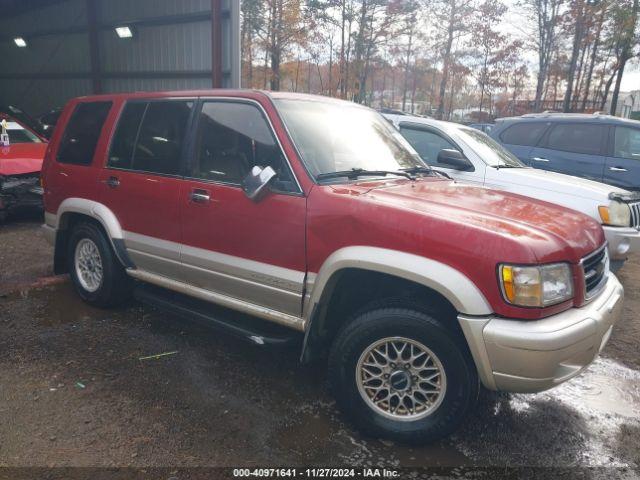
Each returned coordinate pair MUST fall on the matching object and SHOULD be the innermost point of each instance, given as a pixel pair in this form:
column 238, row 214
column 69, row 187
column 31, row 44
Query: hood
column 554, row 182
column 22, row 158
column 552, row 232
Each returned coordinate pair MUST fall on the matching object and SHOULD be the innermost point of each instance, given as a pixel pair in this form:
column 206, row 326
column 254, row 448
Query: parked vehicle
column 472, row 157
column 20, row 164
column 483, row 127
column 23, row 118
column 312, row 219
column 597, row 147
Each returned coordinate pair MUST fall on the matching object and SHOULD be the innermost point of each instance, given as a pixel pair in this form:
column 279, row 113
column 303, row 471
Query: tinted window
column 121, row 152
column 82, row 133
column 582, row 138
column 627, row 143
column 158, row 148
column 526, row 133
column 232, row 139
column 427, row 144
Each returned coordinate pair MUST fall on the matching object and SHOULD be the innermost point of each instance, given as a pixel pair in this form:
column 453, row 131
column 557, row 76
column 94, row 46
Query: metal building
column 54, row 50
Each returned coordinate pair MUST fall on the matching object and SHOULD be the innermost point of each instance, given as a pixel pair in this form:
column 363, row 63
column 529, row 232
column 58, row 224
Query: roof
column 597, row 117
column 440, row 124
column 240, row 93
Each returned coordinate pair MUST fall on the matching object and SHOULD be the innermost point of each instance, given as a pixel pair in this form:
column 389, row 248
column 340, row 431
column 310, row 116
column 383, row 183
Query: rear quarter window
column 81, row 135
column 525, row 133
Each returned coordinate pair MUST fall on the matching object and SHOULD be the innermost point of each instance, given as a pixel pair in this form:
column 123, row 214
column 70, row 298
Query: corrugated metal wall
column 171, row 50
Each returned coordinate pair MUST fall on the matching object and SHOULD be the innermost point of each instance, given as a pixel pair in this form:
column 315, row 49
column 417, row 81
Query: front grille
column 635, row 214
column 595, row 268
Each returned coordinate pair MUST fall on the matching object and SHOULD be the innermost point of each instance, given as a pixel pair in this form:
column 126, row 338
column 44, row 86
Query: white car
column 470, row 156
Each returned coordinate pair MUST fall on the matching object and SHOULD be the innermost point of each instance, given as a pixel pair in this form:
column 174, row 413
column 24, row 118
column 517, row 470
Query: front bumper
column 20, row 191
column 622, row 241
column 535, row 355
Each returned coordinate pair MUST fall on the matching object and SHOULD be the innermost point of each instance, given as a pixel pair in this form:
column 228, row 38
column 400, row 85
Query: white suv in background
column 470, row 156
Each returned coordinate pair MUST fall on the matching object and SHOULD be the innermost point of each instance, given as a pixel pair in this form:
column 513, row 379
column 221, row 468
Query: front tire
column 96, row 273
column 401, row 374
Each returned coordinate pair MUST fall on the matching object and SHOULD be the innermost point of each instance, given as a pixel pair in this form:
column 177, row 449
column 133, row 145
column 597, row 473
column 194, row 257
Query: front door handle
column 617, row 169
column 200, row 196
column 540, row 159
column 112, row 182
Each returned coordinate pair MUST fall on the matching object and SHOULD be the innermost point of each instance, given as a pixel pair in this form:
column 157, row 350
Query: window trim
column 193, row 139
column 431, row 129
column 111, row 103
column 553, row 125
column 184, row 151
column 540, row 141
column 612, row 139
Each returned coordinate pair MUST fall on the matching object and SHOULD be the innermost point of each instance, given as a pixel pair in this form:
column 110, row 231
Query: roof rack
column 547, row 114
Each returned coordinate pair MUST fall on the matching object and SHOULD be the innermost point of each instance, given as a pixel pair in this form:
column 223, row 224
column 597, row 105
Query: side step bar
column 248, row 328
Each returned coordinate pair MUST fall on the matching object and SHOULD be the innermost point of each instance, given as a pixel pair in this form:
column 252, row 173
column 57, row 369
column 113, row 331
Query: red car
column 282, row 217
column 20, row 165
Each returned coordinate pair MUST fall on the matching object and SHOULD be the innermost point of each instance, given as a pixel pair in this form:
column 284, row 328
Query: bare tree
column 546, row 15
column 451, row 23
column 628, row 42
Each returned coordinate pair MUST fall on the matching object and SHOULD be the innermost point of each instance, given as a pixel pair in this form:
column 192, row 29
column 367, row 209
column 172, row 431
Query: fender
column 102, row 214
column 450, row 283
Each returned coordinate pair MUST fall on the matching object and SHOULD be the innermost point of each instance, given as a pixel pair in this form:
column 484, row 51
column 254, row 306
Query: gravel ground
column 74, row 393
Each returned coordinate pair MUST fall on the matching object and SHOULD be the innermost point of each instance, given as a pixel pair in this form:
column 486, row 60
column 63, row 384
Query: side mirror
column 454, row 159
column 255, row 183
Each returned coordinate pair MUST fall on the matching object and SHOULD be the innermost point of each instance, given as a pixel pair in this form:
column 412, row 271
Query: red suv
column 275, row 215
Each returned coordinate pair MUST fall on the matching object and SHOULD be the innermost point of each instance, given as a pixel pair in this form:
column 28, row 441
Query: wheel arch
column 393, row 274
column 74, row 210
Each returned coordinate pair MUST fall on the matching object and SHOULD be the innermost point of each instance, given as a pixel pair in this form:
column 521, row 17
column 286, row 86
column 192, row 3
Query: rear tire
column 437, row 393
column 96, row 273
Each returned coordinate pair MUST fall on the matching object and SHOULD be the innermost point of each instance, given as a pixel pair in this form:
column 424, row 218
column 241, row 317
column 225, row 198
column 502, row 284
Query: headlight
column 617, row 214
column 536, row 286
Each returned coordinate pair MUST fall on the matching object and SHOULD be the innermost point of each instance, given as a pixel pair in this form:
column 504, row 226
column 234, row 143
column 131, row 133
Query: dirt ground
column 74, row 393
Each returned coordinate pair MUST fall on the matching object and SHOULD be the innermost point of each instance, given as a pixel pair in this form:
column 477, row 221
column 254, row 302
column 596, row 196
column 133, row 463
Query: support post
column 216, row 43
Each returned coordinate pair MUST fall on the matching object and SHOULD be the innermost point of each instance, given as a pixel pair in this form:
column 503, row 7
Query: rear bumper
column 532, row 356
column 622, row 241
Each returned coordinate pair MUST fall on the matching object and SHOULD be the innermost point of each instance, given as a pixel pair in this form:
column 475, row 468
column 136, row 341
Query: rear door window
column 81, row 136
column 124, row 140
column 150, row 137
column 627, row 143
column 585, row 138
column 525, row 133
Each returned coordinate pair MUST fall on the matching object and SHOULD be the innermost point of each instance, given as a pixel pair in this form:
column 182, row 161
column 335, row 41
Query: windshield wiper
column 498, row 167
column 354, row 173
column 419, row 169
column 427, row 170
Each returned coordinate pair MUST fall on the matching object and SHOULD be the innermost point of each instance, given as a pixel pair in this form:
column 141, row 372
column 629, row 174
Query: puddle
column 585, row 421
column 319, row 435
column 607, row 388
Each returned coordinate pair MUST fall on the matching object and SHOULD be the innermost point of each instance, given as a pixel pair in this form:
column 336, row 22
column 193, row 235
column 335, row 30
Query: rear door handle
column 112, row 182
column 200, row 196
column 617, row 169
column 540, row 159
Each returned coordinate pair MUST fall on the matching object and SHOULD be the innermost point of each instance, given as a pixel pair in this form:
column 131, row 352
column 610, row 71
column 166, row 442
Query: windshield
column 336, row 137
column 490, row 151
column 19, row 134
